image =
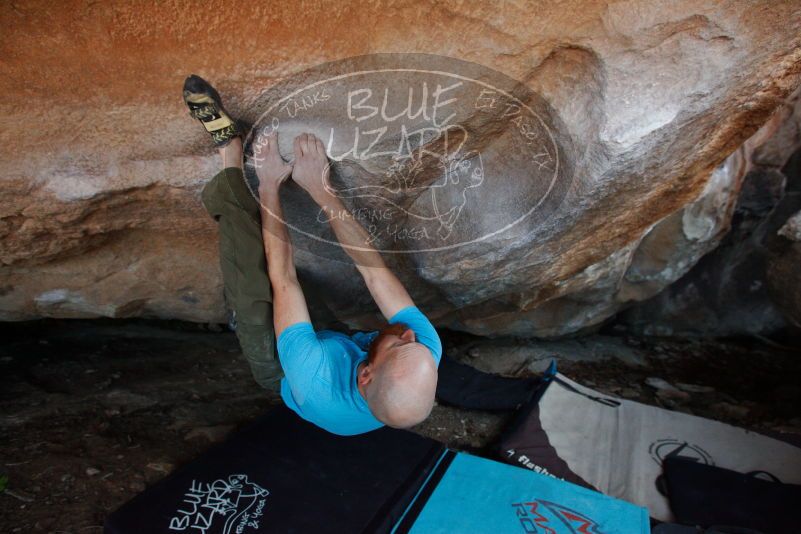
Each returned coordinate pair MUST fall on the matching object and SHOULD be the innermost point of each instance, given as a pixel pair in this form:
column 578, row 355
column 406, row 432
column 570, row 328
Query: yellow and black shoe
column 205, row 105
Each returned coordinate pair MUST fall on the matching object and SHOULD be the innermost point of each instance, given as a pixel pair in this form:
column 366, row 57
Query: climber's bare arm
column 387, row 291
column 289, row 304
column 311, row 173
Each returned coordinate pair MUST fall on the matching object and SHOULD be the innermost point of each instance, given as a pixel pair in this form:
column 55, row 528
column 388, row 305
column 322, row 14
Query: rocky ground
column 91, row 413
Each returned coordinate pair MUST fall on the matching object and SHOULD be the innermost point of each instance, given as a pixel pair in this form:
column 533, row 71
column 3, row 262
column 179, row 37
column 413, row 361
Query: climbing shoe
column 205, row 105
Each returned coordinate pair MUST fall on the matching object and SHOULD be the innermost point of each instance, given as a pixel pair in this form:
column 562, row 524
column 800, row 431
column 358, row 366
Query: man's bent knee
column 258, row 346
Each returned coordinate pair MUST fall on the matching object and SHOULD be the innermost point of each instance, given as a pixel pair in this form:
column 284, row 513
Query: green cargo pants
column 244, row 269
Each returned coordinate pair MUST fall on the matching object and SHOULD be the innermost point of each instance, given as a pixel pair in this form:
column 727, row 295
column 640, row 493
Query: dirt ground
column 92, row 412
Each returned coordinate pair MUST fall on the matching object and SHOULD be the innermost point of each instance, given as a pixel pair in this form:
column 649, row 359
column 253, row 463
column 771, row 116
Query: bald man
column 345, row 384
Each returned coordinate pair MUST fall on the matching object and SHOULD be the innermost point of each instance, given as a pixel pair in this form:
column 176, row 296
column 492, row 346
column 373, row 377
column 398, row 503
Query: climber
column 344, row 384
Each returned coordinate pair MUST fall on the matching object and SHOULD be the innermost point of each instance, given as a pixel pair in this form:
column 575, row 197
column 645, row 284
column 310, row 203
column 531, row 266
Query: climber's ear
column 365, row 375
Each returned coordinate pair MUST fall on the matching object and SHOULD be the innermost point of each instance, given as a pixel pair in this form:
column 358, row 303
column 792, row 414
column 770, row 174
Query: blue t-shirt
column 320, row 372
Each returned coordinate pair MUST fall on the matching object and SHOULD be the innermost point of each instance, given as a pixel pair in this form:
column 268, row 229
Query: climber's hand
column 312, row 168
column 271, row 169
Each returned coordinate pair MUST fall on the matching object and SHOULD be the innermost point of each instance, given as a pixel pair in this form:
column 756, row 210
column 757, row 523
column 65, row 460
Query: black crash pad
column 283, row 474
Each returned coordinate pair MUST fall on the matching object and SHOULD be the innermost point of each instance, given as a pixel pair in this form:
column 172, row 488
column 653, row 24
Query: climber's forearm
column 277, row 245
column 289, row 304
column 350, row 234
column 386, row 289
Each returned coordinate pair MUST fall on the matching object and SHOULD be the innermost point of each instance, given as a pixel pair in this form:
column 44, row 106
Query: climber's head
column 399, row 379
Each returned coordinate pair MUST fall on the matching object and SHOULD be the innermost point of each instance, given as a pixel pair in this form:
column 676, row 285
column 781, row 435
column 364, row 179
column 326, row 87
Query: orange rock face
column 101, row 168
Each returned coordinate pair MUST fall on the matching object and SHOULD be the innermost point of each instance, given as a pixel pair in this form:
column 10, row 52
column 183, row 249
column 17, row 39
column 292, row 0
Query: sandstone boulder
column 101, row 169
column 748, row 284
column 783, row 273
